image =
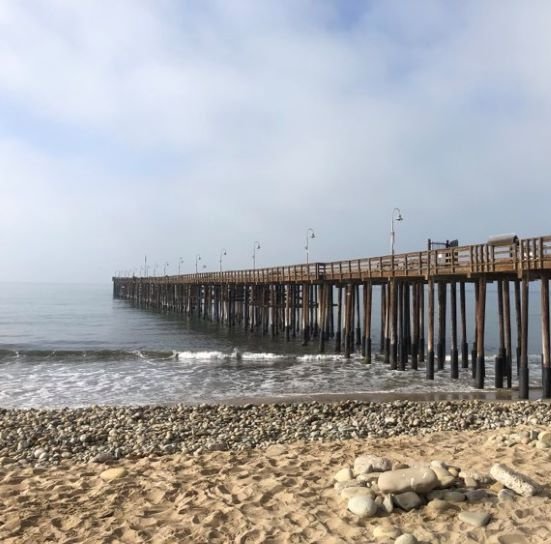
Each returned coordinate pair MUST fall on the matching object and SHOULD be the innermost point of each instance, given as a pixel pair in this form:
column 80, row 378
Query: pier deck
column 333, row 301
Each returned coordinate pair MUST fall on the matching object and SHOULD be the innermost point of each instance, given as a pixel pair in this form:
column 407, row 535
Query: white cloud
column 257, row 120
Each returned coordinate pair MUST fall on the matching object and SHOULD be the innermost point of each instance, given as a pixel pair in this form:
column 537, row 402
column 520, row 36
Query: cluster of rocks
column 104, row 433
column 534, row 437
column 377, row 486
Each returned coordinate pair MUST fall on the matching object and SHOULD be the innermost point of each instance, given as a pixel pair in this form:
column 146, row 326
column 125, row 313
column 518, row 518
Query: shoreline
column 46, row 437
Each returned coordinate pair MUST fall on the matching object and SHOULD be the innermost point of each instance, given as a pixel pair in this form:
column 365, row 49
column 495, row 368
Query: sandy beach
column 279, row 493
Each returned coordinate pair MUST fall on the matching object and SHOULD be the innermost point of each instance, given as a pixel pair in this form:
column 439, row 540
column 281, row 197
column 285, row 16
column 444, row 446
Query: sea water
column 74, row 345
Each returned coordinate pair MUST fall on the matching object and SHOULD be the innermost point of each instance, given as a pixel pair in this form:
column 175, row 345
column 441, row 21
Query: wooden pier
column 332, row 302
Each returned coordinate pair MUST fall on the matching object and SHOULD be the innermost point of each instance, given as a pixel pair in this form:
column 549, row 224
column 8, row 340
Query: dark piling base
column 430, row 366
column 546, row 382
column 499, row 370
column 523, row 387
column 454, row 364
column 464, row 355
column 480, row 372
column 368, row 350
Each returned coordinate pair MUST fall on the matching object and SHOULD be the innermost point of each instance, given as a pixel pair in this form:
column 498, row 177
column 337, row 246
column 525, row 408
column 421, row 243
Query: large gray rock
column 419, row 480
column 407, row 501
column 519, row 483
column 363, row 507
column 371, row 463
column 476, row 519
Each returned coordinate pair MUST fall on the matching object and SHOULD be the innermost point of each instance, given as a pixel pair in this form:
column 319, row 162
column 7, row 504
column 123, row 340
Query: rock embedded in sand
column 476, row 519
column 113, row 474
column 371, row 463
column 438, row 505
column 382, row 532
column 418, row 480
column 363, row 507
column 545, row 437
column 103, row 457
column 506, row 495
column 344, row 475
column 388, row 504
column 406, row 538
column 519, row 483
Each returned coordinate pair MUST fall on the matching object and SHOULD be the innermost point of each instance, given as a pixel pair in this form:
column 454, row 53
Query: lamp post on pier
column 309, row 234
column 164, row 269
column 180, row 262
column 396, row 216
column 256, row 246
column 222, row 253
column 197, row 259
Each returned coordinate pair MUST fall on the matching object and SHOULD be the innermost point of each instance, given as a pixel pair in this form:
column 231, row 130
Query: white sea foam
column 201, row 355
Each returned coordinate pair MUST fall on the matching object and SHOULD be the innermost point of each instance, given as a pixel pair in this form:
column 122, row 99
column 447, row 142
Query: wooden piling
column 523, row 376
column 430, row 333
column 415, row 340
column 454, row 364
column 545, row 339
column 368, row 290
column 480, row 373
column 499, row 369
column 441, row 347
column 464, row 344
column 507, row 329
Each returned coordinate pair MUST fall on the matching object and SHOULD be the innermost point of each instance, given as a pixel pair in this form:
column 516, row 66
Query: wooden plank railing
column 530, row 254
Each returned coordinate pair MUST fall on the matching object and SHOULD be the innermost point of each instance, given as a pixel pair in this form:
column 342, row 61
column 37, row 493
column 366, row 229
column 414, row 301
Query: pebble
column 454, row 496
column 103, row 458
column 506, row 495
column 388, row 504
column 475, row 495
column 512, row 538
column 371, row 463
column 406, row 538
column 545, row 437
column 438, row 505
column 344, row 475
column 350, row 492
column 363, row 507
column 340, row 486
column 476, row 519
column 407, row 501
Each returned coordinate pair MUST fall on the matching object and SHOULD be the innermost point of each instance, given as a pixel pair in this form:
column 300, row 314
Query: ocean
column 74, row 345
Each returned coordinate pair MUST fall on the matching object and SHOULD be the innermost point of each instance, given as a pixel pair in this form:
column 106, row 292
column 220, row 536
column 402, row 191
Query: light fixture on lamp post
column 396, row 216
column 256, row 246
column 222, row 253
column 309, row 234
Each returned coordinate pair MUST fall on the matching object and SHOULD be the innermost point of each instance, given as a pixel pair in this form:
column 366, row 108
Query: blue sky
column 174, row 128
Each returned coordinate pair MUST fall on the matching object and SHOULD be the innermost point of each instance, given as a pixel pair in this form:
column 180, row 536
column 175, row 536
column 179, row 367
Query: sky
column 177, row 128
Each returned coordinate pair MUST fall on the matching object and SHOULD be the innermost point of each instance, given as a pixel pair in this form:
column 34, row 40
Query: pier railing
column 526, row 255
